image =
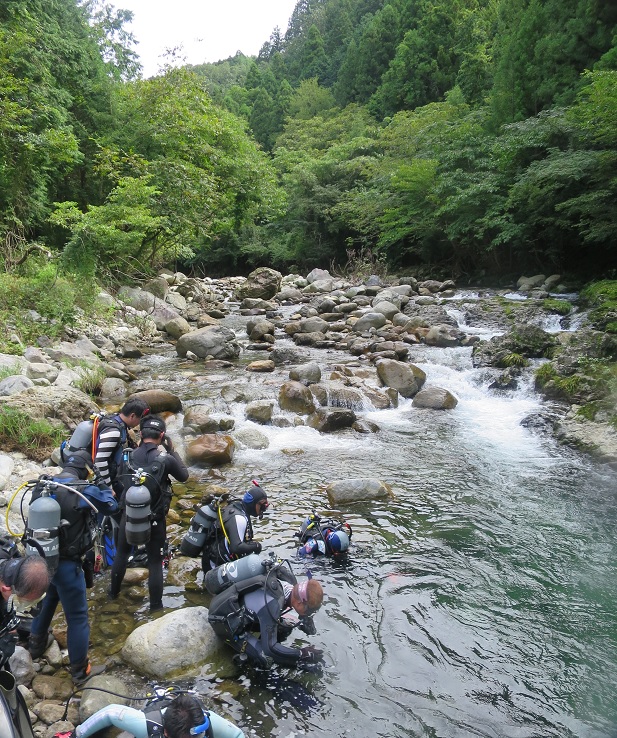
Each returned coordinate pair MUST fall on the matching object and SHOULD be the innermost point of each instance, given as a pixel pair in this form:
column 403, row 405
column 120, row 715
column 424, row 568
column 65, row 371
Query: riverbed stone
column 369, row 320
column 211, row 450
column 296, row 397
column 13, row 385
column 331, row 419
column 443, row 336
column 259, row 411
column 177, row 327
column 407, row 379
column 68, row 404
column 313, row 325
column 93, row 700
column 307, row 373
column 252, row 438
column 159, row 401
column 113, row 390
column 199, row 419
column 262, row 283
column 212, row 341
column 174, row 645
column 354, row 490
column 263, row 366
column 41, row 370
column 281, row 355
column 435, row 398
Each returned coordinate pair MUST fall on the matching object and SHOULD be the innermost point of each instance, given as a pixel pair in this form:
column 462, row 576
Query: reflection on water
column 479, row 601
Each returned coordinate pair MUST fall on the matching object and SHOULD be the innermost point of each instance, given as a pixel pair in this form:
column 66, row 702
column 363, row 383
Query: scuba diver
column 80, row 501
column 256, row 605
column 233, row 531
column 23, row 583
column 157, row 463
column 323, row 536
column 168, row 713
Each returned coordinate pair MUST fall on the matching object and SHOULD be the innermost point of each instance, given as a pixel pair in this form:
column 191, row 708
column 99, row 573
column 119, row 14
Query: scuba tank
column 217, row 580
column 82, row 436
column 199, row 530
column 137, row 500
column 43, row 526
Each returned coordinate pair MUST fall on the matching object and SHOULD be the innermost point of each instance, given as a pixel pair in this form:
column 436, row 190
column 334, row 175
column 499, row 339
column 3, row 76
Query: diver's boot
column 82, row 672
column 38, row 644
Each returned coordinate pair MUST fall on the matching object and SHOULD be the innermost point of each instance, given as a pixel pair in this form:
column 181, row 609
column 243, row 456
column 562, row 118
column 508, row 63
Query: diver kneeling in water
column 168, row 715
column 256, row 605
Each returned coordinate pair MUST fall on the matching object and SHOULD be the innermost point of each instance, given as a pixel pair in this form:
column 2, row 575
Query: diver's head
column 306, row 597
column 185, row 718
column 255, row 501
column 338, row 541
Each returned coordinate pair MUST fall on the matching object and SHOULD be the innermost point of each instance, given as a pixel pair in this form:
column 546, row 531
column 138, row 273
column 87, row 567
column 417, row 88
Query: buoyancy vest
column 155, row 478
column 112, row 421
column 229, row 613
column 78, row 527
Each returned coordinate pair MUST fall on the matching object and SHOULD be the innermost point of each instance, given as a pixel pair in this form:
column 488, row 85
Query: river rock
column 158, row 287
column 287, row 355
column 41, row 370
column 6, row 469
column 307, row 373
column 113, row 390
column 13, row 385
column 177, row 301
column 213, row 341
column 435, row 398
column 68, row 404
column 183, row 571
column 265, row 365
column 15, row 363
column 211, row 450
column 289, row 294
column 178, row 643
column 21, row 666
column 259, row 411
column 407, row 379
column 176, row 327
column 297, row 398
column 369, row 320
column 263, row 283
column 48, row 687
column 353, row 490
column 93, row 700
column 527, row 341
column 524, row 284
column 444, row 336
column 252, row 438
column 598, row 439
column 316, row 275
column 388, row 309
column 198, row 418
column 72, row 353
column 159, row 401
column 331, row 419
column 313, row 325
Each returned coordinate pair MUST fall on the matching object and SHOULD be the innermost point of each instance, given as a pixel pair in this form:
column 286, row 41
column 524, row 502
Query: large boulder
column 435, row 398
column 42, row 370
column 199, row 419
column 369, row 320
column 113, row 390
column 211, row 450
column 331, row 419
column 306, row 373
column 526, row 341
column 177, row 327
column 297, row 398
column 177, row 644
column 263, row 283
column 159, row 401
column 67, row 404
column 212, row 340
column 407, row 379
column 158, row 310
column 353, row 490
column 13, row 385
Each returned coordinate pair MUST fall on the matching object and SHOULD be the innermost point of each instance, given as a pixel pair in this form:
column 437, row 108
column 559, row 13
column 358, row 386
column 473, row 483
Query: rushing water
column 479, row 601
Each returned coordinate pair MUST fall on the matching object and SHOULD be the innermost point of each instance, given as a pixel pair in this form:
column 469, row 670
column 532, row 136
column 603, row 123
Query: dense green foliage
column 455, row 135
column 36, row 438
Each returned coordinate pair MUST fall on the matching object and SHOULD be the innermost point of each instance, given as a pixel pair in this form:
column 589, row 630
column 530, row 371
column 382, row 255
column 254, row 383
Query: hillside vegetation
column 459, row 136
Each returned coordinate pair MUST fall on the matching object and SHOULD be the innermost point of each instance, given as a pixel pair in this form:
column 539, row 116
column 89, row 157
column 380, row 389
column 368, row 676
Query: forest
column 452, row 137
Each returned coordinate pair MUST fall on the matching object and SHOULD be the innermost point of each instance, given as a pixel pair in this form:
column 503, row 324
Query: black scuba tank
column 199, row 530
column 138, row 525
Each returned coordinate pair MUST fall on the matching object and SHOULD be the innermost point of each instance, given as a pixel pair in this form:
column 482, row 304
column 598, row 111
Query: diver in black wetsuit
column 247, row 616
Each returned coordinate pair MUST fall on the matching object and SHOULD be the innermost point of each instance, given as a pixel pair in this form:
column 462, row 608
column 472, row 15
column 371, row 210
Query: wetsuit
column 144, row 724
column 239, row 539
column 112, row 437
column 255, row 604
column 143, row 458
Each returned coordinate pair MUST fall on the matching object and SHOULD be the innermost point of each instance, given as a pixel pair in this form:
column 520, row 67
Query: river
column 479, row 601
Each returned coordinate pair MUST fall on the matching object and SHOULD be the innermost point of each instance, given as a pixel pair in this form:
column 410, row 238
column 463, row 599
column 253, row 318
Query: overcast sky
column 207, row 30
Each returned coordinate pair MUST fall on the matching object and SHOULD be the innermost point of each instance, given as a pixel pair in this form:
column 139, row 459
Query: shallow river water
column 479, row 601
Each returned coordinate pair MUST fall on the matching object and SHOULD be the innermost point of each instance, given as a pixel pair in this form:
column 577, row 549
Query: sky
column 207, row 30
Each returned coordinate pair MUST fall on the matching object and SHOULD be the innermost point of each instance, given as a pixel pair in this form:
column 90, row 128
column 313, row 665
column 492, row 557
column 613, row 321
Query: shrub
column 37, row 438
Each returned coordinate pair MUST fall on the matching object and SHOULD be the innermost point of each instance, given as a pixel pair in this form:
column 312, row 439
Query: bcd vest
column 76, row 534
